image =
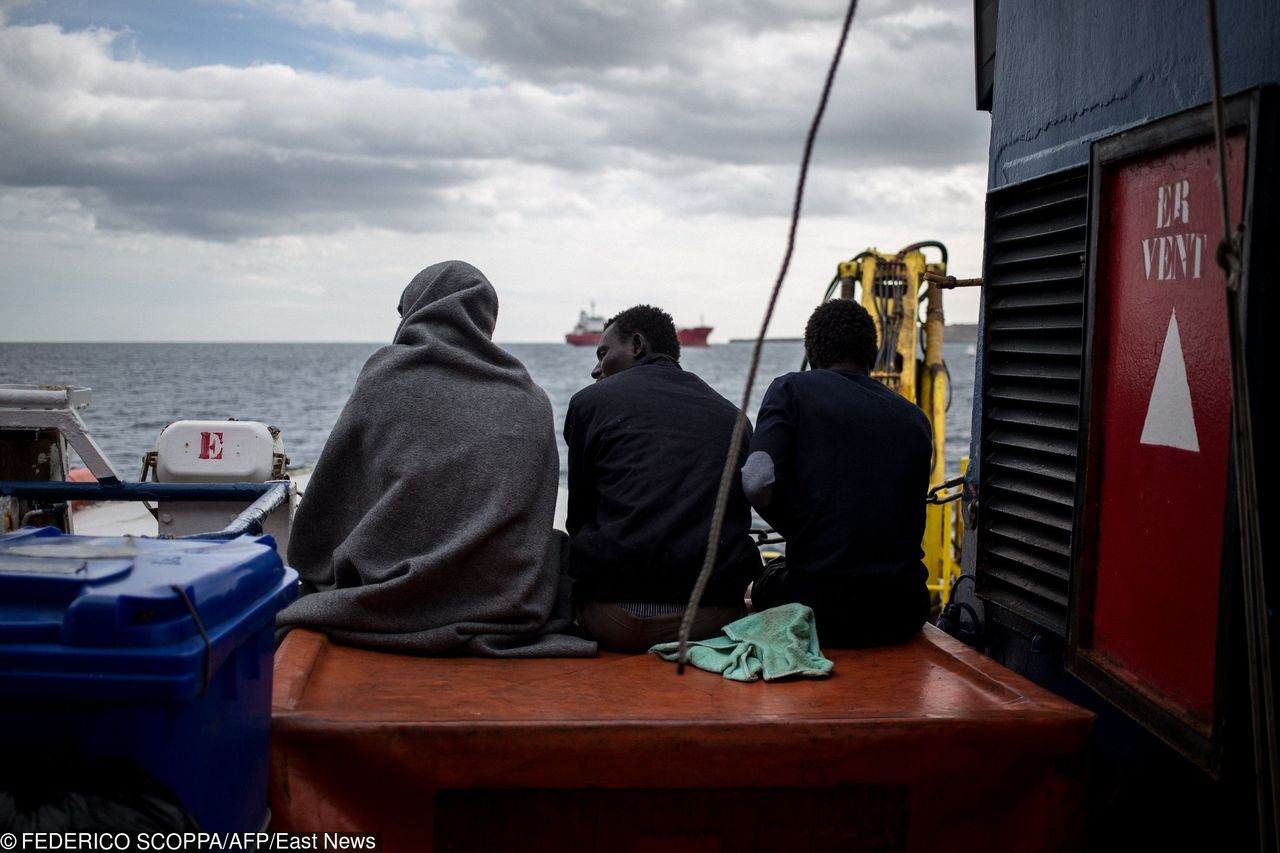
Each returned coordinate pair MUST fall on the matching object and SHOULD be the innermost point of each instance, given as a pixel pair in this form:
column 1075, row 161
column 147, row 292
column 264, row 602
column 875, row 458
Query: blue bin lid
column 94, row 614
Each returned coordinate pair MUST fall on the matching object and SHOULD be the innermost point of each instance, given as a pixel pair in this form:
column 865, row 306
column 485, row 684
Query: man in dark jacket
column 647, row 443
column 839, row 465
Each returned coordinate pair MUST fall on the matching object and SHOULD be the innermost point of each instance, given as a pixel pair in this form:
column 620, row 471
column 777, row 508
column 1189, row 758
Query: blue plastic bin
column 101, row 655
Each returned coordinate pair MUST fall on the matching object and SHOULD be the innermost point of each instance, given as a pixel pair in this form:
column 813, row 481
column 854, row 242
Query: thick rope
column 739, row 427
column 1258, row 644
column 1219, row 133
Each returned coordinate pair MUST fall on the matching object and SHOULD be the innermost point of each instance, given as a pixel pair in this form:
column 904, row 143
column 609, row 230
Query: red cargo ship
column 586, row 333
column 694, row 337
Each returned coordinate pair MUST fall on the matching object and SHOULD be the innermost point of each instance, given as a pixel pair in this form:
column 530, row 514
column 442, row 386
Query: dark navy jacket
column 646, row 448
column 839, row 465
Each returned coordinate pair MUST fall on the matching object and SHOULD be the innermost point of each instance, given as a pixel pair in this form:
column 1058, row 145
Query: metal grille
column 1034, row 292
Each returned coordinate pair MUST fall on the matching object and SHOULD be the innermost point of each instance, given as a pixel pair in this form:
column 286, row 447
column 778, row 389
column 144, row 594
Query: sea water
column 301, row 388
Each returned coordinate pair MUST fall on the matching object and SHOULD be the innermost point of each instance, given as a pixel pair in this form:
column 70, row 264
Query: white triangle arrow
column 1170, row 421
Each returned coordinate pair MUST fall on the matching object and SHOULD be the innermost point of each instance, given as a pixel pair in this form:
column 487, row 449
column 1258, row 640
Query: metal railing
column 267, row 498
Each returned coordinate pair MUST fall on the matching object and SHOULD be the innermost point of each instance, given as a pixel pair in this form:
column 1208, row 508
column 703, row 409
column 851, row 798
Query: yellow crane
column 894, row 289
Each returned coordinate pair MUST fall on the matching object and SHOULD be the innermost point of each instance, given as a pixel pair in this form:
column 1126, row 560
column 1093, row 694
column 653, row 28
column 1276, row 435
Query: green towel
column 776, row 643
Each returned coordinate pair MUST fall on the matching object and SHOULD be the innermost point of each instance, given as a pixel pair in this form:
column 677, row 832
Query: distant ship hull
column 695, row 337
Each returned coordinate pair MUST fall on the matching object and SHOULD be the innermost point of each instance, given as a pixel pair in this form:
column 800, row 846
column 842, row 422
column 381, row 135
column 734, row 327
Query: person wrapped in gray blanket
column 426, row 527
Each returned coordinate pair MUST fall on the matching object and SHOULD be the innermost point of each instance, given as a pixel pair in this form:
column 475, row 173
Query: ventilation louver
column 1034, row 292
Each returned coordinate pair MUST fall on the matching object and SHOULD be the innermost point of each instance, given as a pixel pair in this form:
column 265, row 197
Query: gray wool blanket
column 426, row 526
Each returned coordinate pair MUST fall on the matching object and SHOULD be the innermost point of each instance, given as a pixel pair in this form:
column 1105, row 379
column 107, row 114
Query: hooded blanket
column 426, row 526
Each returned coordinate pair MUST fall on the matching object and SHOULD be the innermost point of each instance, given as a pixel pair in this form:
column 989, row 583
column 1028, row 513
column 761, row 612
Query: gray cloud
column 695, row 108
column 734, row 81
column 559, row 40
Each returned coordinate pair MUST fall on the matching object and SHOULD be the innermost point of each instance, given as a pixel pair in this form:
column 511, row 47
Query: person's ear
column 638, row 345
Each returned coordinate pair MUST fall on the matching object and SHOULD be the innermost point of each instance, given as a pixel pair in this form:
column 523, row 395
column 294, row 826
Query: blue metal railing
column 266, row 497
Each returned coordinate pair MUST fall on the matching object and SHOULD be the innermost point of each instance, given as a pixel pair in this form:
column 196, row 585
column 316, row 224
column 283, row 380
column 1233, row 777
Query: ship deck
column 902, row 748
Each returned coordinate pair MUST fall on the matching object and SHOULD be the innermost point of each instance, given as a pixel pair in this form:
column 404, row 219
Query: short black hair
column 655, row 324
column 841, row 331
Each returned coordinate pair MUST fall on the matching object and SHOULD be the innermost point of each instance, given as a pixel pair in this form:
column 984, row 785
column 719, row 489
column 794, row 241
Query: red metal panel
column 1162, row 408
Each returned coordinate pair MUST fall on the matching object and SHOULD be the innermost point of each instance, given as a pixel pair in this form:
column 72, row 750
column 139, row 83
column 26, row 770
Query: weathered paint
column 35, row 456
column 1070, row 73
column 1161, row 471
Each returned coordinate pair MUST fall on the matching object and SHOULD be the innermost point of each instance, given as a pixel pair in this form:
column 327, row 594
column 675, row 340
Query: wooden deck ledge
column 386, row 743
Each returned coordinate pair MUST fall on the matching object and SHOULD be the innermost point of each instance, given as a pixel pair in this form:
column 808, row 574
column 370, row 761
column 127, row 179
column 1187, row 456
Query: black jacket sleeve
column 582, row 497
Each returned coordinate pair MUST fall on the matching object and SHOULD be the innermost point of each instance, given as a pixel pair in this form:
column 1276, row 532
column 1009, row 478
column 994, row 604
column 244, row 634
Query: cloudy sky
column 279, row 169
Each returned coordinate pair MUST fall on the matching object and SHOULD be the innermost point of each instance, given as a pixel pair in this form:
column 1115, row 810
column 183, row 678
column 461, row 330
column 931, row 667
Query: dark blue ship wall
column 1068, row 73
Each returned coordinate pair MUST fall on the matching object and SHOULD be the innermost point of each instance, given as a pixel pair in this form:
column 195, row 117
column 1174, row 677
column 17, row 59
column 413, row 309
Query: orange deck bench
column 924, row 746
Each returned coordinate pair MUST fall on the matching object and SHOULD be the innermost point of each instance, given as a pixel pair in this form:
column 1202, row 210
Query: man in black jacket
column 647, row 443
column 839, row 465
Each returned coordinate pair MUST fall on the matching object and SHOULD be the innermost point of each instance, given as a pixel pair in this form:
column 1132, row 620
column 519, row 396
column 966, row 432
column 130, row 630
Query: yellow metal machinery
column 893, row 288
